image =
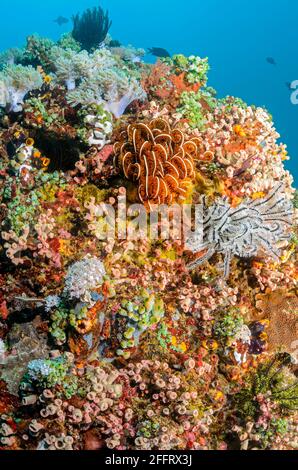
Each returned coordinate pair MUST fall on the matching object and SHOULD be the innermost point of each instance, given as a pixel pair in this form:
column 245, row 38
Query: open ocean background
column 237, row 36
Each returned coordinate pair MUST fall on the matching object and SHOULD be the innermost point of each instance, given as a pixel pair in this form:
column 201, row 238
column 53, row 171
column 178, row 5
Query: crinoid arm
column 200, row 261
column 91, row 28
column 250, row 228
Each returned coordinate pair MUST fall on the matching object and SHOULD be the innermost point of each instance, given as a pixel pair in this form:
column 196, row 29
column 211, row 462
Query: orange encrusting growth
column 160, row 159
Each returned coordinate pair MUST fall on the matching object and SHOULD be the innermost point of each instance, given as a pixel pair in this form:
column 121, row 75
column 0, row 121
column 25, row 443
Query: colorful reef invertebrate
column 83, row 277
column 114, row 90
column 98, row 125
column 192, row 109
column 16, row 81
column 112, row 337
column 38, row 51
column 159, row 158
column 245, row 230
column 275, row 377
column 45, row 373
column 91, row 29
column 128, row 53
column 2, row 350
column 10, row 57
column 195, row 68
column 28, row 159
column 133, row 318
column 71, row 66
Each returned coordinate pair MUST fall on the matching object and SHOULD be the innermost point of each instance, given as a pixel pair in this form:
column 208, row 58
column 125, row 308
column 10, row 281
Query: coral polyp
column 148, row 255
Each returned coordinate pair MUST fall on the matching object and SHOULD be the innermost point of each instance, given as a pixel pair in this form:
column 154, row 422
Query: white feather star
column 253, row 226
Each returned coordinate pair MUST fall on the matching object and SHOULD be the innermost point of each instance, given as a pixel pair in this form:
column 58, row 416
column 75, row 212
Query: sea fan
column 252, row 227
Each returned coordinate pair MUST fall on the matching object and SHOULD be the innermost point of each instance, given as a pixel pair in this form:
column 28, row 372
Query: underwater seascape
column 148, row 226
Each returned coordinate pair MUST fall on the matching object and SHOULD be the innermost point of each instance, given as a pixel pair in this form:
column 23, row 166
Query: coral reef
column 114, row 336
column 115, row 91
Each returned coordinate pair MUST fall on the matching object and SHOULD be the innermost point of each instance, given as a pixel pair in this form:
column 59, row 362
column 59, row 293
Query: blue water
column 237, row 36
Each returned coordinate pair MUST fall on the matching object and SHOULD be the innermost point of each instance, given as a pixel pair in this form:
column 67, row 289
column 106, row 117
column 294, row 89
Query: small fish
column 158, row 52
column 271, row 60
column 61, row 20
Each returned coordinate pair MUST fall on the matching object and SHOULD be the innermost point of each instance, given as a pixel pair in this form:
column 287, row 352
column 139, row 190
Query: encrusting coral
column 111, row 337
